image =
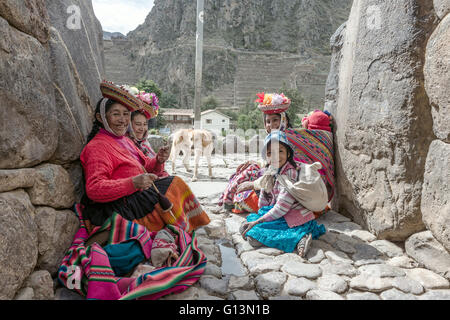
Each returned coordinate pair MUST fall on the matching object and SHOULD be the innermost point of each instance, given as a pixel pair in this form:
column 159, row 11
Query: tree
column 168, row 101
column 249, row 117
column 232, row 114
column 149, row 86
column 210, row 103
column 297, row 104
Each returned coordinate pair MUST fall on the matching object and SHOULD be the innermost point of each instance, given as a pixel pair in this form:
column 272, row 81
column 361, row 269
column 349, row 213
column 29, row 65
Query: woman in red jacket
column 120, row 178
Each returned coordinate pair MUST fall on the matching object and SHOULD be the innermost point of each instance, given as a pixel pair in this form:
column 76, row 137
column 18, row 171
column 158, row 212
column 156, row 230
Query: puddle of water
column 231, row 264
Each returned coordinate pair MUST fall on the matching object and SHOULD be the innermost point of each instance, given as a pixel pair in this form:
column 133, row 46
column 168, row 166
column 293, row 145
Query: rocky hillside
column 250, row 45
column 51, row 63
column 389, row 91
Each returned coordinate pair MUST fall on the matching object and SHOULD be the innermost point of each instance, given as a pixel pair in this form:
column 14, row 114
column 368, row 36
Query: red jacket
column 109, row 168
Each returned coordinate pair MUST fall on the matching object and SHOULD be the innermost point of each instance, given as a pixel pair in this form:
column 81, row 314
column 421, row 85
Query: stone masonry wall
column 51, row 63
column 388, row 89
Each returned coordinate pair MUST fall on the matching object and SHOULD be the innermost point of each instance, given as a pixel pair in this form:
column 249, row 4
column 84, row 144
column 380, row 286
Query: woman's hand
column 163, row 154
column 246, row 227
column 245, row 186
column 144, row 181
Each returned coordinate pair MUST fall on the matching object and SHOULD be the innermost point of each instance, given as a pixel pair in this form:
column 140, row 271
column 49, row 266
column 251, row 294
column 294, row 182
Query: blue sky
column 121, row 15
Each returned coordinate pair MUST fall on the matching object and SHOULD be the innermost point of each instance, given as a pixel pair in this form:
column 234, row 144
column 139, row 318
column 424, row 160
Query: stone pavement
column 345, row 263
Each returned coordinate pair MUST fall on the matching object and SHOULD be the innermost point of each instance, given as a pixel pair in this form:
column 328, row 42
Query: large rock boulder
column 332, row 87
column 383, row 123
column 435, row 203
column 40, row 283
column 436, row 190
column 423, row 248
column 16, row 179
column 442, row 8
column 437, row 78
column 76, row 52
column 18, row 241
column 29, row 17
column 52, row 187
column 56, row 230
column 52, row 52
column 28, row 124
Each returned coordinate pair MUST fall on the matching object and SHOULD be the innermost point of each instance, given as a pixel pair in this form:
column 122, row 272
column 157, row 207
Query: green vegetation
column 249, row 117
column 297, row 105
column 149, row 86
column 209, row 103
column 166, row 100
column 267, row 45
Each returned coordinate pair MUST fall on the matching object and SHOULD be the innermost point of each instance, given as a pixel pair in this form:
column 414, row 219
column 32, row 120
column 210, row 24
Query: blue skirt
column 277, row 234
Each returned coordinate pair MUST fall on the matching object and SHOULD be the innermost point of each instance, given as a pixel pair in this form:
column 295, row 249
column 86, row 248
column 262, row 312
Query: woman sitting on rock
column 281, row 222
column 138, row 132
column 121, row 179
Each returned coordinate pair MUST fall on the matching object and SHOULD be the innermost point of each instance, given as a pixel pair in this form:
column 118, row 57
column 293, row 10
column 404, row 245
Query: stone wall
column 388, row 89
column 51, row 63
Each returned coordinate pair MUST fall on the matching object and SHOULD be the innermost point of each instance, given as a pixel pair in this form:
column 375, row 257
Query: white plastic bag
column 309, row 189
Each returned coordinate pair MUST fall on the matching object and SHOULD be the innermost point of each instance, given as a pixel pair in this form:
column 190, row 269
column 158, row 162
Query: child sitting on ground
column 281, row 222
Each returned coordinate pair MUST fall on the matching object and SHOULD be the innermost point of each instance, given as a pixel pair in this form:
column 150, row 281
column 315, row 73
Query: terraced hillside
column 249, row 46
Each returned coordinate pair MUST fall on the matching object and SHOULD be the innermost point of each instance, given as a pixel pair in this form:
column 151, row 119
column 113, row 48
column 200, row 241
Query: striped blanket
column 315, row 146
column 87, row 268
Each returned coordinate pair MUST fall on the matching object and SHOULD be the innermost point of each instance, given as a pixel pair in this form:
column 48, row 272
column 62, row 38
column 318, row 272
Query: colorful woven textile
column 230, row 196
column 315, row 145
column 87, row 268
column 246, row 201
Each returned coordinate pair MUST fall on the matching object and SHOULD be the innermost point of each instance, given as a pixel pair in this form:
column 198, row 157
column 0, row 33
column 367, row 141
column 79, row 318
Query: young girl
column 281, row 222
column 239, row 194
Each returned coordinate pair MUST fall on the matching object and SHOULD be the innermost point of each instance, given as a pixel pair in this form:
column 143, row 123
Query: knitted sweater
column 284, row 204
column 109, row 168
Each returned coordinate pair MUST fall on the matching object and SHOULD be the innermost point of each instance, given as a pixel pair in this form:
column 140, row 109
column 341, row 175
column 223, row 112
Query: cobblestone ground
column 347, row 263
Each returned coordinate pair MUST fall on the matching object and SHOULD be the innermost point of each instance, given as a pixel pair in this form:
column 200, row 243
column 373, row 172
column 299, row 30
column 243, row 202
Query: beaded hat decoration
column 270, row 103
column 132, row 98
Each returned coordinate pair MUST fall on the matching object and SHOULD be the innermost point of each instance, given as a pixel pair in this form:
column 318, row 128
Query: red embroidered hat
column 132, row 98
column 270, row 103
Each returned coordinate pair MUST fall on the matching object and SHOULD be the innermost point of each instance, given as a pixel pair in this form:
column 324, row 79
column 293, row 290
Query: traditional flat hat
column 132, row 98
column 270, row 103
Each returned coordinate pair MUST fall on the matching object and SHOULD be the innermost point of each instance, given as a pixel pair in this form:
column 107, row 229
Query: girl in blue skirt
column 281, row 222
